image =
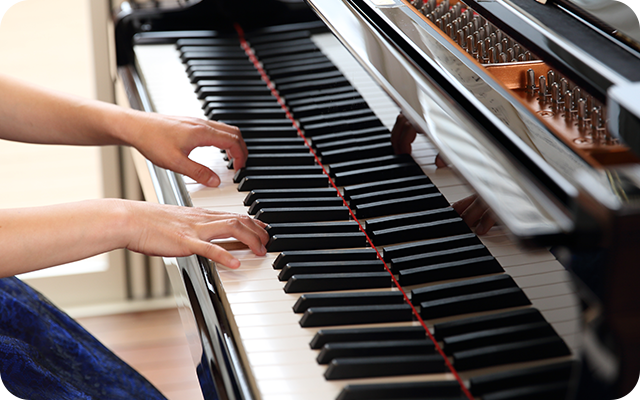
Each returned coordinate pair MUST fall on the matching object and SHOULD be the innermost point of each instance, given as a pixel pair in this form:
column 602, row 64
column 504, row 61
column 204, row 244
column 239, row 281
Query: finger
column 396, row 131
column 258, row 227
column 215, row 253
column 474, row 213
column 235, row 228
column 440, row 163
column 461, row 205
column 486, row 222
column 232, row 142
column 197, row 172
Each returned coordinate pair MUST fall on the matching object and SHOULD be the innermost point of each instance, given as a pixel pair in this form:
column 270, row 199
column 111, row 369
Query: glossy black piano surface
column 544, row 189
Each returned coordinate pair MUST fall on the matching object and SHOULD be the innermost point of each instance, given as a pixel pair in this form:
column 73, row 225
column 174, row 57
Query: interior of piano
column 574, row 116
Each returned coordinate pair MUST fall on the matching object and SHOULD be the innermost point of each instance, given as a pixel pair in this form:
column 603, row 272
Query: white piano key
column 533, row 268
column 277, row 344
column 275, row 319
column 278, row 306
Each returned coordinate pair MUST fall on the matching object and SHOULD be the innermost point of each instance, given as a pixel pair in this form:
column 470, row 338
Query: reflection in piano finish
column 543, row 187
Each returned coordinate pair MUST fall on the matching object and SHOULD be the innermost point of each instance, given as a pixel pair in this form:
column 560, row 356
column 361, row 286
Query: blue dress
column 46, row 355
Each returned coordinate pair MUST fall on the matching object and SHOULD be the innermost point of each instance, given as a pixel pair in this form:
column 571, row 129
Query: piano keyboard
column 274, row 344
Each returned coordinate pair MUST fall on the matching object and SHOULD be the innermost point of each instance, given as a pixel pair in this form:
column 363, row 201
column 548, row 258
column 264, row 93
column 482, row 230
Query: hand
column 475, row 213
column 402, row 135
column 172, row 231
column 167, row 142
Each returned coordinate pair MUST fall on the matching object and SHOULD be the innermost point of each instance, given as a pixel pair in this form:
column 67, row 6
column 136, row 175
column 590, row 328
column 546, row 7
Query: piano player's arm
column 37, row 115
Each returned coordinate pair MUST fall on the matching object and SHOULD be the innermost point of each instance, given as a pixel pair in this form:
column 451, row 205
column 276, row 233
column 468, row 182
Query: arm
column 34, row 115
column 39, row 237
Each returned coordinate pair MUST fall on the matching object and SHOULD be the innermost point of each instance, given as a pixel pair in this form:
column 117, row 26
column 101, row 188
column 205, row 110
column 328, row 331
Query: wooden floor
column 154, row 343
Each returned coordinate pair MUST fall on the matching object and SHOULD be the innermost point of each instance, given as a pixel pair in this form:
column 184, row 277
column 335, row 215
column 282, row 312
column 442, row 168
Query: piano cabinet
column 534, row 106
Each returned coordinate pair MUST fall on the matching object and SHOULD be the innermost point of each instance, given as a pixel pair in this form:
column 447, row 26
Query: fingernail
column 263, row 250
column 481, row 229
column 213, row 181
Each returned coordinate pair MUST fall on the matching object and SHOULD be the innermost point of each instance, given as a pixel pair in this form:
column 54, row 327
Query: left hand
column 167, row 142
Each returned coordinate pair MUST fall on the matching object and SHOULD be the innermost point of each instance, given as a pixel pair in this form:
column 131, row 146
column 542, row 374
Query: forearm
column 40, row 237
column 32, row 114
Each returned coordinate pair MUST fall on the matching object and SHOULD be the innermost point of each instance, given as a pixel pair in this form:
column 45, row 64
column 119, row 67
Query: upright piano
column 374, row 287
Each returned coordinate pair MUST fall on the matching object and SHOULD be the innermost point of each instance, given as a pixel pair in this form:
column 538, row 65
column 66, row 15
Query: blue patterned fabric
column 46, row 355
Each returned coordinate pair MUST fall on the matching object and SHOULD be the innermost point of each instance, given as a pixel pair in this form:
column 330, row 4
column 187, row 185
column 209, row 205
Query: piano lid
column 497, row 137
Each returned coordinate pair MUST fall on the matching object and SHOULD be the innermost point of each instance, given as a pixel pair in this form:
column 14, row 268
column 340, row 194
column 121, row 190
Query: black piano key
column 208, row 41
column 225, row 82
column 258, row 123
column 335, row 116
column 451, row 270
column 315, row 241
column 352, row 142
column 526, row 350
column 200, row 67
column 289, row 193
column 269, row 131
column 323, row 255
column 515, row 378
column 406, row 219
column 212, row 106
column 277, row 170
column 371, row 367
column 230, row 63
column 371, row 174
column 307, row 301
column 312, row 227
column 212, row 47
column 260, row 113
column 275, row 74
column 303, row 214
column 408, row 204
column 484, row 322
column 322, row 99
column 294, row 202
column 437, row 257
column 230, row 100
column 350, row 153
column 534, row 330
column 222, row 57
column 320, row 84
column 458, row 288
column 287, row 141
column 268, row 149
column 259, row 46
column 275, row 159
column 324, row 336
column 252, row 182
column 329, row 107
column 378, row 348
column 348, row 134
column 329, row 267
column 292, row 60
column 277, row 37
column 346, row 281
column 425, row 246
column 355, row 315
column 322, row 128
column 271, row 54
column 313, row 94
column 435, row 390
column 389, row 184
column 228, row 75
column 298, row 78
column 475, row 302
column 231, row 90
column 548, row 391
column 381, row 195
column 372, row 162
column 422, row 231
